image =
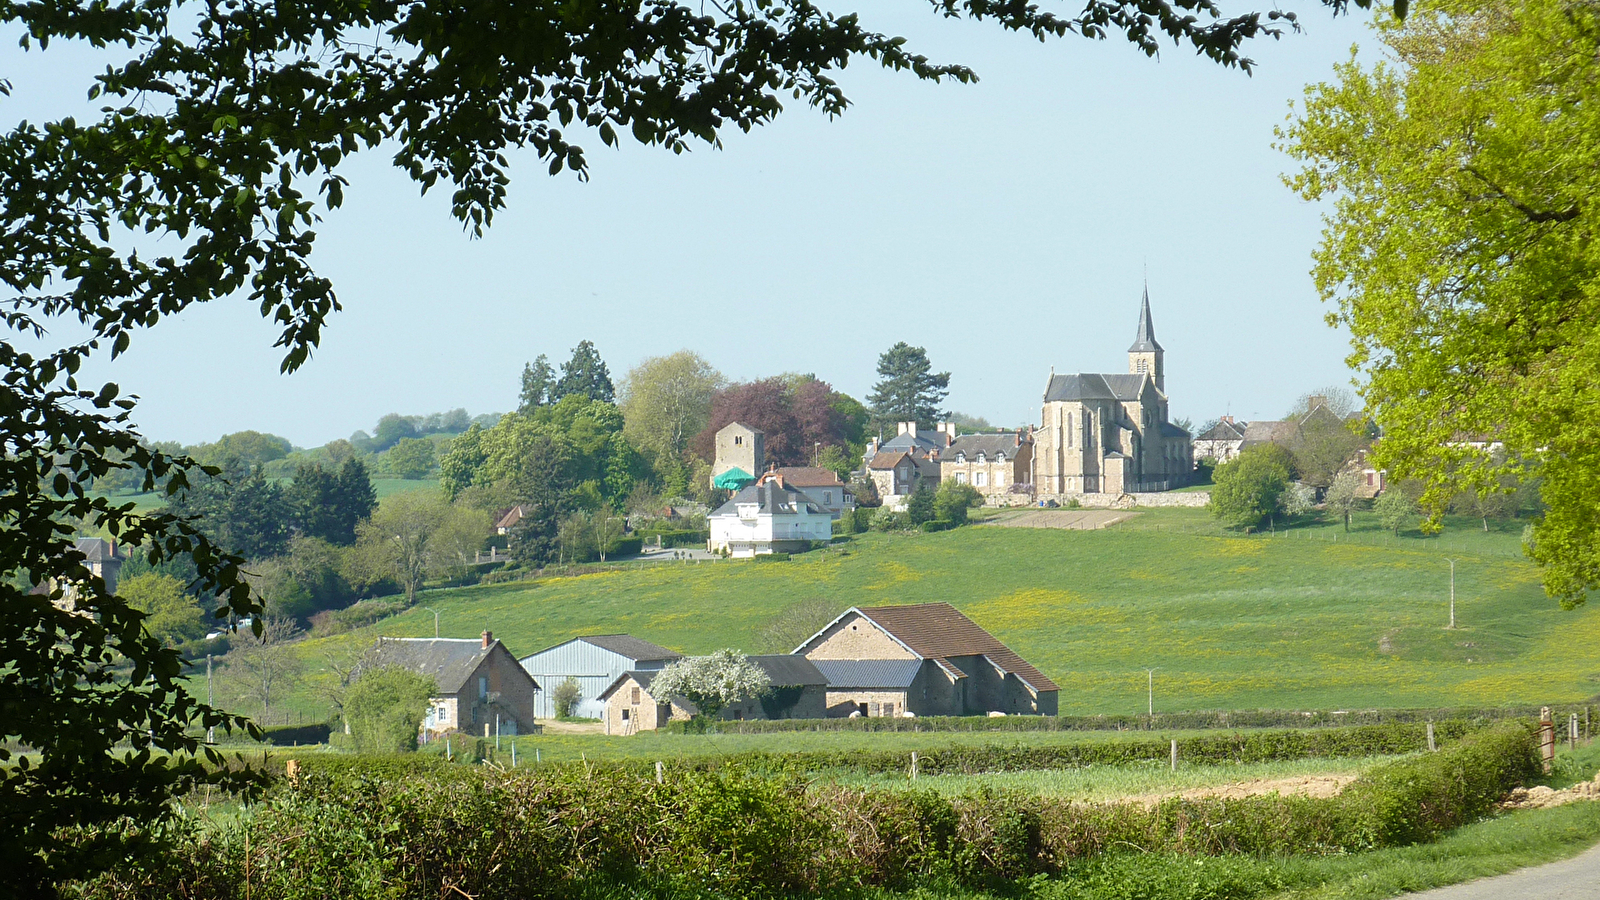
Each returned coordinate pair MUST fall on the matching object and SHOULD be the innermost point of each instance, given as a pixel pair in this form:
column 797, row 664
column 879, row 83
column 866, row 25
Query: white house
column 823, row 486
column 769, row 517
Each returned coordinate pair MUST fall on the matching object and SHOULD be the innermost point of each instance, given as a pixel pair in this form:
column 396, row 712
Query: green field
column 1309, row 618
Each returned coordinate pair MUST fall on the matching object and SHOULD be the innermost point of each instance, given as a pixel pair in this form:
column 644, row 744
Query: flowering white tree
column 1298, row 500
column 712, row 682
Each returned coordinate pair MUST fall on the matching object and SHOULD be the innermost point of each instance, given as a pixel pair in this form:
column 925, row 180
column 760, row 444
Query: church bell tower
column 1145, row 356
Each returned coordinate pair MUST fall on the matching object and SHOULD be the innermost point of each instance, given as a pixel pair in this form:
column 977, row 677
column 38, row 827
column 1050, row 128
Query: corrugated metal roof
column 785, row 670
column 630, row 646
column 869, row 673
column 938, row 630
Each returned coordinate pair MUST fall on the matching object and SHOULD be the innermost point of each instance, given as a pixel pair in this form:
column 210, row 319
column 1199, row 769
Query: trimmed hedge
column 290, row 735
column 488, row 834
column 689, row 537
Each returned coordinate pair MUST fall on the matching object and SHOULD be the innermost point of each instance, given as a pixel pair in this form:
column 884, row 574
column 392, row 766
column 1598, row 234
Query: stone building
column 998, row 464
column 1110, row 433
column 823, row 486
column 738, row 446
column 797, row 690
column 1222, row 441
column 927, row 659
column 480, row 687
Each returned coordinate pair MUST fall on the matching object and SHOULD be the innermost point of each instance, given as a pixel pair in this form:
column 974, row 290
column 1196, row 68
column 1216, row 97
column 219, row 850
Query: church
column 1108, row 433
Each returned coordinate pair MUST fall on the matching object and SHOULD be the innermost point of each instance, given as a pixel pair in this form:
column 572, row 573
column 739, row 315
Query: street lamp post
column 435, row 621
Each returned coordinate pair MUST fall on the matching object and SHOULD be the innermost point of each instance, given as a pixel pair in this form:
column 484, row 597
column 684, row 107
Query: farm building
column 594, row 662
column 926, row 659
column 480, row 687
column 798, row 691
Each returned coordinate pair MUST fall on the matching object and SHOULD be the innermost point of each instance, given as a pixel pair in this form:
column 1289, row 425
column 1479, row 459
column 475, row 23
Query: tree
column 411, row 458
column 584, row 375
column 234, row 151
column 392, row 429
column 907, row 388
column 538, row 385
column 328, row 505
column 711, row 683
column 1343, row 495
column 247, row 448
column 239, row 508
column 795, row 624
column 953, row 499
column 920, row 507
column 666, row 400
column 175, row 618
column 566, row 697
column 262, row 667
column 799, row 415
column 1458, row 253
column 1336, row 399
column 385, row 708
column 1297, row 500
column 396, row 540
column 1322, row 446
column 1249, row 487
column 1395, row 510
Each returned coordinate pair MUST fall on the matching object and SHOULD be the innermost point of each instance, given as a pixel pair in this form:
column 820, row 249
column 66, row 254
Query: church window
column 1068, row 429
column 1142, row 366
column 738, row 439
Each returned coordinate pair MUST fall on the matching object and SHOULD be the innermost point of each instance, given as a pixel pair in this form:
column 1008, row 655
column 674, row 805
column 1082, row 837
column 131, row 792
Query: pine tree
column 585, row 374
column 907, row 389
column 538, row 384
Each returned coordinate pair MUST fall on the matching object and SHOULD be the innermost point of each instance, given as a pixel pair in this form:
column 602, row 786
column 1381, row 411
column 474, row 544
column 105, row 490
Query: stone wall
column 1190, row 499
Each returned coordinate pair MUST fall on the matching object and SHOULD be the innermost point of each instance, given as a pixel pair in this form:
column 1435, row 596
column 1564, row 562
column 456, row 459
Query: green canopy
column 734, row 479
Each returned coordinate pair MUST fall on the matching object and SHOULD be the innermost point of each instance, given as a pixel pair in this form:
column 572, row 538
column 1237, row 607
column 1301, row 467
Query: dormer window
column 961, row 457
column 981, row 458
column 749, row 510
column 1000, row 457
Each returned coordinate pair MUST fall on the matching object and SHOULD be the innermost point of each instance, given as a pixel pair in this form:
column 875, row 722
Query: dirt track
column 1073, row 519
column 1316, row 786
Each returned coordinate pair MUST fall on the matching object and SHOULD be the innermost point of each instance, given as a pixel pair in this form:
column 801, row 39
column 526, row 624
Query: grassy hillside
column 1310, row 618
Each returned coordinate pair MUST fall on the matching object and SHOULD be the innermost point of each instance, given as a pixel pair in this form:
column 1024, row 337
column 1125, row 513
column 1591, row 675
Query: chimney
column 908, row 428
column 488, row 638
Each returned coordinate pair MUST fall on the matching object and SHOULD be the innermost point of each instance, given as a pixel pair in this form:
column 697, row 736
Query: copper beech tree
column 223, row 131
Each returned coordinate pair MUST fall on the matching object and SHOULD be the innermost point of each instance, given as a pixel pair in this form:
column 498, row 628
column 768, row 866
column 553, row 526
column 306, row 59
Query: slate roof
column 1224, row 431
column 741, row 425
column 1171, row 430
column 96, row 549
column 643, row 679
column 772, row 499
column 1269, row 433
column 809, row 476
column 1094, row 386
column 926, row 441
column 784, row 670
column 448, row 661
column 630, row 646
column 869, row 673
column 989, row 444
column 1145, row 340
column 939, row 630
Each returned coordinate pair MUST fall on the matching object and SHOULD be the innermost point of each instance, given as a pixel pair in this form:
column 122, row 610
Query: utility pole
column 1150, row 689
column 1452, row 592
column 435, row 621
column 211, row 733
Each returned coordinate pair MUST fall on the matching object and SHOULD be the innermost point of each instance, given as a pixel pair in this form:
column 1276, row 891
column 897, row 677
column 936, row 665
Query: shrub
column 566, row 697
column 291, row 735
column 385, row 709
column 951, row 502
column 919, row 508
column 771, row 557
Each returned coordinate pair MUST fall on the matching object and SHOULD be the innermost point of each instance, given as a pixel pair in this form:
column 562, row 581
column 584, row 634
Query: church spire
column 1145, row 340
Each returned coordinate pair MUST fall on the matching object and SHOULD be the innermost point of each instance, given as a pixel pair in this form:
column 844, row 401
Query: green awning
column 734, row 479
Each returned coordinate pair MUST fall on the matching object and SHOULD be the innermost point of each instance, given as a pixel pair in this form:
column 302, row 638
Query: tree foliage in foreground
column 1460, row 252
column 223, row 133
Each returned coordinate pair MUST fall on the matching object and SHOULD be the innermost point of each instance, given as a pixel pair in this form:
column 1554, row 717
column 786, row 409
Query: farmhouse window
column 483, row 687
column 625, row 715
column 635, row 696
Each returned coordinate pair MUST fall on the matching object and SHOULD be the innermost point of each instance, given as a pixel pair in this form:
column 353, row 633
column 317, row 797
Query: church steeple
column 1146, row 356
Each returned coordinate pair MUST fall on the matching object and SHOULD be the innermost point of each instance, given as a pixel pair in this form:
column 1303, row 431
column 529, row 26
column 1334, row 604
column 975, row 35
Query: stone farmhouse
column 595, row 662
column 927, row 659
column 999, row 465
column 768, row 517
column 480, row 688
column 823, row 486
column 1221, row 442
column 1109, row 433
column 798, row 691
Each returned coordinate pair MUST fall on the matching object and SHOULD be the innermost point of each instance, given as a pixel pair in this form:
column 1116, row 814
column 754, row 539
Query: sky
column 1008, row 227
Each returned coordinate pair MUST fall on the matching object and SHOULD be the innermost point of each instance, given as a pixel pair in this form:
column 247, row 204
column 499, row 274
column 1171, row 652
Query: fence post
column 1572, row 731
column 913, row 765
column 513, row 753
column 1547, row 739
column 1432, row 747
column 1174, row 754
column 661, row 774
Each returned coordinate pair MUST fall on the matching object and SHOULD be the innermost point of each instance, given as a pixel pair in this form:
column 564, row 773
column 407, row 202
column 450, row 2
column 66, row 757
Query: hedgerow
column 381, row 832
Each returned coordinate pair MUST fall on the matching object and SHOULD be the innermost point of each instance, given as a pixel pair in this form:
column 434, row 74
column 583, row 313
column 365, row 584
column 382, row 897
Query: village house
column 479, row 687
column 915, row 440
column 998, row 464
column 102, row 559
column 1221, row 442
column 823, row 486
column 770, row 517
column 593, row 661
column 926, row 659
column 896, row 476
column 1109, row 433
column 796, row 691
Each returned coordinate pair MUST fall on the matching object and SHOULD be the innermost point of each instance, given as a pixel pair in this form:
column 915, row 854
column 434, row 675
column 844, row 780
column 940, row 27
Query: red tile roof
column 886, row 460
column 940, row 631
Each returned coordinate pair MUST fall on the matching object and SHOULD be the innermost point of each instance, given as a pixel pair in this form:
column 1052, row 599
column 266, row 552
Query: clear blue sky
column 1006, row 226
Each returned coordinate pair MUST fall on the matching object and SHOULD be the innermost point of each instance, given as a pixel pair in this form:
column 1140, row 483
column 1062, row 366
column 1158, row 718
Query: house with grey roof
column 998, row 464
column 926, row 659
column 1111, row 433
column 823, row 486
column 768, row 517
column 796, row 690
column 479, row 687
column 594, row 662
column 1222, row 441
